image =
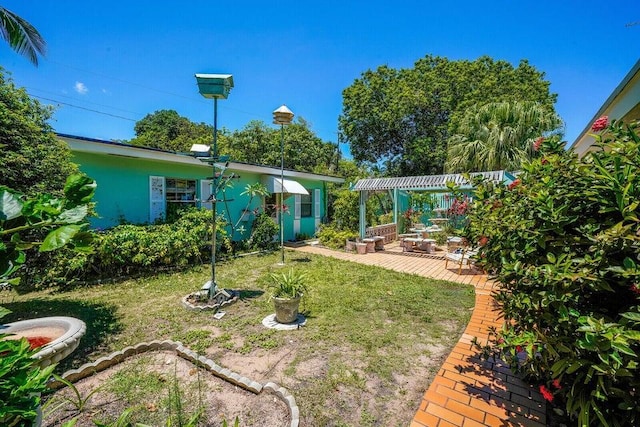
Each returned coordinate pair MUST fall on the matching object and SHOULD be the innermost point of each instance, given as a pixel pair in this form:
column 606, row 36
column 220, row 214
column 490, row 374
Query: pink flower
column 514, row 184
column 600, row 124
column 556, row 384
column 537, row 143
column 546, row 393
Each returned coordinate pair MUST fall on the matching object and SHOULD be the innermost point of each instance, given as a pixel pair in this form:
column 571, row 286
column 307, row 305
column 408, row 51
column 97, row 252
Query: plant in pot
column 288, row 289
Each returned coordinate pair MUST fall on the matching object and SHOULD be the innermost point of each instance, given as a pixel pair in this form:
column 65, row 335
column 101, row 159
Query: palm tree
column 21, row 36
column 499, row 135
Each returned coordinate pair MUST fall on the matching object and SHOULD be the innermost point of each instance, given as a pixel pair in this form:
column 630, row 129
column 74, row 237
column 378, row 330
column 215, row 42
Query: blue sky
column 129, row 59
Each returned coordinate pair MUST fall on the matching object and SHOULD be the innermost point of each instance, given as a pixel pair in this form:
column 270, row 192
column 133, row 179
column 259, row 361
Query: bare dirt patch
column 154, row 404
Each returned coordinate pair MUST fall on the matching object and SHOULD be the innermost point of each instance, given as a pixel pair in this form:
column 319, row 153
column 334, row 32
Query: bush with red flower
column 564, row 243
column 600, row 124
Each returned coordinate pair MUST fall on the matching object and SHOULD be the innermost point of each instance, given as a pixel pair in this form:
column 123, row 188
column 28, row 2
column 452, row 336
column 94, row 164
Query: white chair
column 461, row 256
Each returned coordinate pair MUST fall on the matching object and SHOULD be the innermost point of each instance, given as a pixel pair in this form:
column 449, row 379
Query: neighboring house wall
column 623, row 103
column 137, row 186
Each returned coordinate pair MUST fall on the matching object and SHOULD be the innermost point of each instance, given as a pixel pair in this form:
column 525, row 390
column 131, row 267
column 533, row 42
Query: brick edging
column 225, row 374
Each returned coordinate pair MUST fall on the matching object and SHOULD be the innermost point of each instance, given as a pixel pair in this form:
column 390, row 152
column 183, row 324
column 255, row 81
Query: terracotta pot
column 286, row 309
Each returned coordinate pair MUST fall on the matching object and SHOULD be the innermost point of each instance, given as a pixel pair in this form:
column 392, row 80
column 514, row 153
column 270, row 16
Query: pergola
column 426, row 183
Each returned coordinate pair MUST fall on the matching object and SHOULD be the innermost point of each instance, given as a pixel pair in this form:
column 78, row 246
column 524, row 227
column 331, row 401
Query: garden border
column 225, row 374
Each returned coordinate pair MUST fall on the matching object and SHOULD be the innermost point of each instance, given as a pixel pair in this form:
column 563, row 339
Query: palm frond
column 21, row 36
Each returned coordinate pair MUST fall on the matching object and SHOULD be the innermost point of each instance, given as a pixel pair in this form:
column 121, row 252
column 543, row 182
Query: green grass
column 363, row 324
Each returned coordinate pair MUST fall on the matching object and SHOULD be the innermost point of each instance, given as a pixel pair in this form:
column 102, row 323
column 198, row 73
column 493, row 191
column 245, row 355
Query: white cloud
column 81, row 88
column 106, row 92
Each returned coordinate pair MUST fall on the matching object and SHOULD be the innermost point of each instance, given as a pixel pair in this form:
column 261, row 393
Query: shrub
column 21, row 380
column 331, row 237
column 263, row 233
column 563, row 240
column 136, row 249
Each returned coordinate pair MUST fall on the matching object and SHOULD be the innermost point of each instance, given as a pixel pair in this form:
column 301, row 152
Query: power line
column 131, row 83
column 84, row 108
column 87, row 102
column 198, row 100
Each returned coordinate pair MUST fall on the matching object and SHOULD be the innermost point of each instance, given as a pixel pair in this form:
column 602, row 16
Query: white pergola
column 425, row 183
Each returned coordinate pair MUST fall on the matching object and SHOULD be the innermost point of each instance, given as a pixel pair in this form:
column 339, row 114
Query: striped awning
column 427, row 182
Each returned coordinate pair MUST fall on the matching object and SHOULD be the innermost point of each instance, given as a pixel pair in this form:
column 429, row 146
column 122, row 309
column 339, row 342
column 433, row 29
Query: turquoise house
column 141, row 185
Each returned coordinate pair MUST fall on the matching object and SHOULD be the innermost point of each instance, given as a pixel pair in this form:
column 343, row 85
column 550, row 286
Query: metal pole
column 214, row 188
column 282, row 194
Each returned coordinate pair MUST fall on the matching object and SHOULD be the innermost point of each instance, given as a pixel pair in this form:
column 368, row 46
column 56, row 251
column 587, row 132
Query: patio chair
column 461, row 256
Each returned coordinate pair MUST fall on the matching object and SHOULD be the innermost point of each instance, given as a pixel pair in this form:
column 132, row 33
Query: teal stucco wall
column 123, row 192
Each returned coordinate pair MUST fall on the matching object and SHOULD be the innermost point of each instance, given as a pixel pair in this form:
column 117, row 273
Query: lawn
column 373, row 341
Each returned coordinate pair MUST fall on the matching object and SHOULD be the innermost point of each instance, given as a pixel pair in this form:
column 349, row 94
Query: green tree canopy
column 21, row 36
column 303, row 149
column 33, row 160
column 256, row 143
column 499, row 135
column 403, row 118
column 167, row 130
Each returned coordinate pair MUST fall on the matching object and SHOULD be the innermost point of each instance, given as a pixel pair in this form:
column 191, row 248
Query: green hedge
column 334, row 238
column 564, row 242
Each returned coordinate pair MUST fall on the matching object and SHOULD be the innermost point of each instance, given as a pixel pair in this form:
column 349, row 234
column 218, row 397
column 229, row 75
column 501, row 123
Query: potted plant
column 288, row 289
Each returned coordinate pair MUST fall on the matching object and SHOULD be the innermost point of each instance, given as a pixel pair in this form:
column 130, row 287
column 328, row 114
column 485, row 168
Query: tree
column 499, row 135
column 21, row 36
column 33, row 160
column 403, row 118
column 261, row 144
column 167, row 130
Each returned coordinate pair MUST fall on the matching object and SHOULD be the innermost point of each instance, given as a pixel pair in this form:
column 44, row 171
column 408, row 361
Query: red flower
column 519, row 348
column 544, row 161
column 514, row 184
column 635, row 288
column 537, row 143
column 600, row 124
column 556, row 384
column 483, row 240
column 546, row 393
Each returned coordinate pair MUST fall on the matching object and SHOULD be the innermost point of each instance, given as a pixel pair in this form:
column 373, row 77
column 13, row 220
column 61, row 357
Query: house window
column 306, row 205
column 181, row 191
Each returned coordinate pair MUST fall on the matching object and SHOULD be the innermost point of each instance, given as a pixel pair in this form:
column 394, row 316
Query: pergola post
column 395, row 210
column 363, row 213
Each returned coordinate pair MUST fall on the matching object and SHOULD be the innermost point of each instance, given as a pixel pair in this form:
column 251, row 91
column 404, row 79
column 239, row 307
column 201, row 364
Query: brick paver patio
column 466, row 391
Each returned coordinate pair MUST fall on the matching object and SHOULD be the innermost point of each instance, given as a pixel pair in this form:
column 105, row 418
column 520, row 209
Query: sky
column 110, row 63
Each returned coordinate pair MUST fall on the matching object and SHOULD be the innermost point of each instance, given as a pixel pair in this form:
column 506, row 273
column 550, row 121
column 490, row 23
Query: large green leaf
column 79, row 189
column 10, row 205
column 73, row 215
column 59, row 237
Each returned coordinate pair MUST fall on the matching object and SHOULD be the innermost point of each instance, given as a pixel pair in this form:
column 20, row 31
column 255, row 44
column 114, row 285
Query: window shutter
column 316, row 203
column 297, row 208
column 157, row 203
column 205, row 193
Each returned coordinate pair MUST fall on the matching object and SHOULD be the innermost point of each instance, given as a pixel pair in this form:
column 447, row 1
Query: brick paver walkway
column 467, row 391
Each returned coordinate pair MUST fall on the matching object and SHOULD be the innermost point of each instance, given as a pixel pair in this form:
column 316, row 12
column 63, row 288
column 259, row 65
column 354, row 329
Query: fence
column 388, row 231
